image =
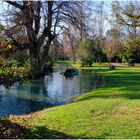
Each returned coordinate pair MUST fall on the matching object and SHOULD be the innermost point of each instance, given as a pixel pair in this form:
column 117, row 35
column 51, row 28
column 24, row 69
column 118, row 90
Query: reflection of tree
column 2, row 91
column 30, row 96
column 54, row 87
column 38, row 93
column 98, row 80
column 70, row 88
column 89, row 80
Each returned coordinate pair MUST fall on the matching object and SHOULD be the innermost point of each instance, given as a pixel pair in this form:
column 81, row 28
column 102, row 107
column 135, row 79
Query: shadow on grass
column 10, row 130
column 42, row 132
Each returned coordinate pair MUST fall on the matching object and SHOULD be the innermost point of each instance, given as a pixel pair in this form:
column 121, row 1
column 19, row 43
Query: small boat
column 70, row 74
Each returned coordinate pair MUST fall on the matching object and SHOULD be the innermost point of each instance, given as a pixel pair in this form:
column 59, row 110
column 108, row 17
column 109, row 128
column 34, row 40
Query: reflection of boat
column 70, row 74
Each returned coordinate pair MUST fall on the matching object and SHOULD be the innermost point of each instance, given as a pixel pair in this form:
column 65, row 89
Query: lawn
column 111, row 111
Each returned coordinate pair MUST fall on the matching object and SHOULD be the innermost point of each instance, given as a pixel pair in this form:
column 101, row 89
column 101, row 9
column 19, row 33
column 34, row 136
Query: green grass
column 111, row 111
column 68, row 62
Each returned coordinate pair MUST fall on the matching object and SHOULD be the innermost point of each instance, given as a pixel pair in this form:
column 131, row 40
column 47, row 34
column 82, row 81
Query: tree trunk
column 37, row 66
column 38, row 63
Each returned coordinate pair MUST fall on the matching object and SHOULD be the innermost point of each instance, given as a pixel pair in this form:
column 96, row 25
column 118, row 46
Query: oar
column 62, row 72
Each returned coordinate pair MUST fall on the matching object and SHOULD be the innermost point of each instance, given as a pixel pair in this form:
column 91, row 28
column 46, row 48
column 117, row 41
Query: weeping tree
column 43, row 21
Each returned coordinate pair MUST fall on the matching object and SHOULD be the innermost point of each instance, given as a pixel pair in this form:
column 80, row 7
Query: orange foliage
column 4, row 46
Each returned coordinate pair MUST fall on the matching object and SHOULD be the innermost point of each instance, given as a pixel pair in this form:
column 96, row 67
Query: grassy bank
column 112, row 111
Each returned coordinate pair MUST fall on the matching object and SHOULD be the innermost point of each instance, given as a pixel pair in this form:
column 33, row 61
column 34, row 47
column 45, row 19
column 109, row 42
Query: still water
column 51, row 90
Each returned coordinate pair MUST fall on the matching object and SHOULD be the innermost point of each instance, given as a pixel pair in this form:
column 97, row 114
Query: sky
column 1, row 8
column 107, row 7
column 3, row 4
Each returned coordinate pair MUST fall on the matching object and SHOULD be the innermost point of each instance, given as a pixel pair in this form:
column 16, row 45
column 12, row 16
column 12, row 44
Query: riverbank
column 111, row 111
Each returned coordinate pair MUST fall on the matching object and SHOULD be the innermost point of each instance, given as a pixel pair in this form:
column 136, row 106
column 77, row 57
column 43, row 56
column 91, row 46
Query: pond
column 51, row 90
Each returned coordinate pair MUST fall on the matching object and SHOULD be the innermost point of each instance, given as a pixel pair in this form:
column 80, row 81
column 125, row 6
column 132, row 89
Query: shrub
column 13, row 63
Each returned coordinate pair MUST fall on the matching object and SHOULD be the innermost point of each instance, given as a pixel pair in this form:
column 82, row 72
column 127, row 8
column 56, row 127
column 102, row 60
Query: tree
column 91, row 46
column 43, row 21
column 87, row 52
column 128, row 16
column 112, row 44
column 71, row 42
column 97, row 23
column 130, row 49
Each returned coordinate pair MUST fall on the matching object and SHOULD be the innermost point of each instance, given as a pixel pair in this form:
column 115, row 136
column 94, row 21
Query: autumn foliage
column 5, row 46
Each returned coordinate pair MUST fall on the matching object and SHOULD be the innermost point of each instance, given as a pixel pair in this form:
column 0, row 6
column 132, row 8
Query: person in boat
column 72, row 70
column 68, row 70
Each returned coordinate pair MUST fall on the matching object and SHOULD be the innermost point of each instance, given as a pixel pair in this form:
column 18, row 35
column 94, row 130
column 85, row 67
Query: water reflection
column 53, row 89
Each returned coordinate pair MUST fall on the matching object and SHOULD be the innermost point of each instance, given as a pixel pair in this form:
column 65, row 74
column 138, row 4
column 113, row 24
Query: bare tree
column 100, row 30
column 97, row 26
column 112, row 47
column 43, row 21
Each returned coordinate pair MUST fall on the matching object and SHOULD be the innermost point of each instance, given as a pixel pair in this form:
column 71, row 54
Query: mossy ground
column 111, row 111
